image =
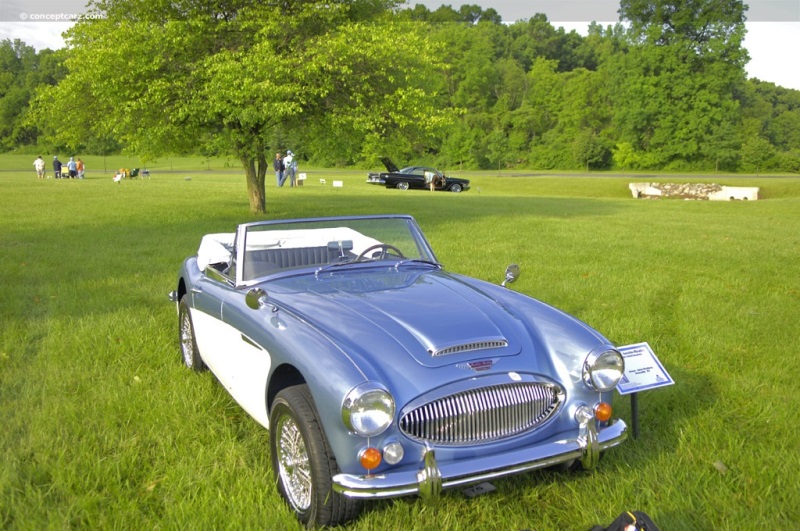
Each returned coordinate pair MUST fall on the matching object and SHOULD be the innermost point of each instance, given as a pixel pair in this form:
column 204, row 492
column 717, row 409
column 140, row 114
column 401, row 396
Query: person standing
column 56, row 167
column 429, row 179
column 81, row 168
column 290, row 165
column 72, row 166
column 38, row 164
column 277, row 165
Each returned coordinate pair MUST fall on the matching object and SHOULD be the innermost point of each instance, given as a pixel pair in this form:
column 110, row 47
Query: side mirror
column 256, row 298
column 512, row 274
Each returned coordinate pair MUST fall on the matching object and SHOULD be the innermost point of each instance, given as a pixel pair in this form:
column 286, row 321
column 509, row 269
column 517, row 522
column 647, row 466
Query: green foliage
column 22, row 72
column 589, row 150
column 536, row 37
column 757, row 154
column 703, row 25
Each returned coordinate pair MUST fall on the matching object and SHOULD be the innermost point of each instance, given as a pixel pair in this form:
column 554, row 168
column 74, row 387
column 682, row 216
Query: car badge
column 478, row 366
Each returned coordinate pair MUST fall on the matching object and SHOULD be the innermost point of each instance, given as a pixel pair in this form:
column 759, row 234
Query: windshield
column 266, row 248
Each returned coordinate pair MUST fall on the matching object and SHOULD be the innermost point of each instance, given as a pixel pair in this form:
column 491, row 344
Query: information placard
column 642, row 370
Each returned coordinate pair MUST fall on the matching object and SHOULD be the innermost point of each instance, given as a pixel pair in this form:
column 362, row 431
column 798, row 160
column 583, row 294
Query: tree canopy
column 344, row 82
column 230, row 76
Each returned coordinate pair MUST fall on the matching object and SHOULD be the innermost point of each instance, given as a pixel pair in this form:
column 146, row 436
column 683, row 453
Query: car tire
column 189, row 352
column 402, row 185
column 303, row 462
column 456, row 188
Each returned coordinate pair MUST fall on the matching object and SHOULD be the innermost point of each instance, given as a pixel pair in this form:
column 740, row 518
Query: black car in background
column 420, row 177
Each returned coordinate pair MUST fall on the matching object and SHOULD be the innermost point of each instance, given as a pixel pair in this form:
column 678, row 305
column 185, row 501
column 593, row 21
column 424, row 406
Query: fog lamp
column 393, row 453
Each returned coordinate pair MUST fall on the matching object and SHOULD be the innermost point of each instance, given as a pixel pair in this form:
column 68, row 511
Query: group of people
column 285, row 168
column 75, row 168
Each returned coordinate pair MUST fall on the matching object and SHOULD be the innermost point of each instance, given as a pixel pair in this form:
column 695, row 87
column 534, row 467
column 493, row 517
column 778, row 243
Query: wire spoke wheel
column 303, row 462
column 189, row 352
column 293, row 463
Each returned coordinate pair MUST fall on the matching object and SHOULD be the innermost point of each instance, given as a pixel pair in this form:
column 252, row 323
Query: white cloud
column 40, row 35
column 773, row 48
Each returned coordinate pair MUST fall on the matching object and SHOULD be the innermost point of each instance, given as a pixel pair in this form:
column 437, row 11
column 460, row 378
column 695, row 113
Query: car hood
column 391, row 167
column 430, row 319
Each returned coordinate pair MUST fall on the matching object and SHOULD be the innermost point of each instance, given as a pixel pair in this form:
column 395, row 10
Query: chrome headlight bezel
column 368, row 410
column 603, row 369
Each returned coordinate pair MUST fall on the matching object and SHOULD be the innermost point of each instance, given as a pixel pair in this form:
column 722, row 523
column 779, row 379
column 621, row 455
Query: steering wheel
column 384, row 247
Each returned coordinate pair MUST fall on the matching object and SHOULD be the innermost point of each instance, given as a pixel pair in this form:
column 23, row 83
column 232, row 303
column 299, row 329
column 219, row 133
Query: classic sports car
column 416, row 177
column 378, row 373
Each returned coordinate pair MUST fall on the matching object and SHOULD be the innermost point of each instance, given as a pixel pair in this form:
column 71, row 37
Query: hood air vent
column 468, row 347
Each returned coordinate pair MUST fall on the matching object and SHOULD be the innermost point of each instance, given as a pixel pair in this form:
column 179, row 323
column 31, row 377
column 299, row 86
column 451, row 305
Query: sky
column 772, row 41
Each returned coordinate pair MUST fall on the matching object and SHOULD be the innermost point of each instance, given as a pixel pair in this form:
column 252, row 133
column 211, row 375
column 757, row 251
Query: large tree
column 675, row 91
column 707, row 26
column 165, row 76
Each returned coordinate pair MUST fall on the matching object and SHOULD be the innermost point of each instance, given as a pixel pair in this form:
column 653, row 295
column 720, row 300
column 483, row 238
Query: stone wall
column 713, row 191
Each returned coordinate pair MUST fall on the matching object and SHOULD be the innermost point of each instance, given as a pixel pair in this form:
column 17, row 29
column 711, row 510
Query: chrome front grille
column 482, row 415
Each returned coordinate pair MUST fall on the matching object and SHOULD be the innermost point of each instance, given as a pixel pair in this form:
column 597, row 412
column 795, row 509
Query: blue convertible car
column 378, row 373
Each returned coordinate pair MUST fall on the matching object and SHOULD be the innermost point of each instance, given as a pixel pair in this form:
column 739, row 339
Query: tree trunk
column 255, row 169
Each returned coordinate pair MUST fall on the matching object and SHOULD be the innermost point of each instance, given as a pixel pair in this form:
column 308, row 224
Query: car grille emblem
column 478, row 366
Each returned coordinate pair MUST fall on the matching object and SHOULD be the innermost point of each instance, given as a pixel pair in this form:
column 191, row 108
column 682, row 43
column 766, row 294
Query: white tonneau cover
column 214, row 248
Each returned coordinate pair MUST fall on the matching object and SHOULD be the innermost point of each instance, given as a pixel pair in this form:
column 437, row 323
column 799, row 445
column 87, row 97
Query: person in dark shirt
column 277, row 165
column 56, row 167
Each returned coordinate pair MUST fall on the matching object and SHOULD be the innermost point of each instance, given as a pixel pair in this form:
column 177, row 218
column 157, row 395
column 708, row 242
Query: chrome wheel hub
column 293, row 463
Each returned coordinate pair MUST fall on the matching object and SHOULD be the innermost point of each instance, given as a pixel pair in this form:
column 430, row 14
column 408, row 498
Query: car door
column 246, row 362
column 239, row 364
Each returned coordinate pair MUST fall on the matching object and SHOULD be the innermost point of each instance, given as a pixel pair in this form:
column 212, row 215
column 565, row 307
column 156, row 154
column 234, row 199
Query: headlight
column 368, row 410
column 603, row 369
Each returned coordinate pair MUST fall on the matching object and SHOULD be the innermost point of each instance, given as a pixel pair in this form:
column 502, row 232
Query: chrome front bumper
column 432, row 478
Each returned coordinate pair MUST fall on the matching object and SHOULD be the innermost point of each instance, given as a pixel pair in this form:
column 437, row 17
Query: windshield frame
column 363, row 227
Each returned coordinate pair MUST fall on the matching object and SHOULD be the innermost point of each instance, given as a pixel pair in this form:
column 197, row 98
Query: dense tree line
column 454, row 87
column 23, row 71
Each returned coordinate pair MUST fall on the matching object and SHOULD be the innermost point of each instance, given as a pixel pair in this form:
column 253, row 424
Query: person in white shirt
column 38, row 164
column 290, row 165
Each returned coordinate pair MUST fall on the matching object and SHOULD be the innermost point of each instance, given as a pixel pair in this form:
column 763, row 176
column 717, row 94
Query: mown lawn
column 102, row 427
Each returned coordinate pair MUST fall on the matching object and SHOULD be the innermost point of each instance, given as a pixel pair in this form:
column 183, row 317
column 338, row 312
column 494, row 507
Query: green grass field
column 103, row 428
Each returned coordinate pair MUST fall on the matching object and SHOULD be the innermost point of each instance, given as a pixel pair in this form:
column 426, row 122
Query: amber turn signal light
column 370, row 458
column 602, row 411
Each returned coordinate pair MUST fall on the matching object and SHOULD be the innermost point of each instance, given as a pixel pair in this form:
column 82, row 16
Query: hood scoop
column 485, row 344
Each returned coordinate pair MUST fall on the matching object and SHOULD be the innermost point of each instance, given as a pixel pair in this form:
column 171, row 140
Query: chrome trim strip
column 469, row 471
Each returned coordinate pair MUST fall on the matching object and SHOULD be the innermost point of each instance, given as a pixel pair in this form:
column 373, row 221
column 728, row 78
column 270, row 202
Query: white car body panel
column 239, row 365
